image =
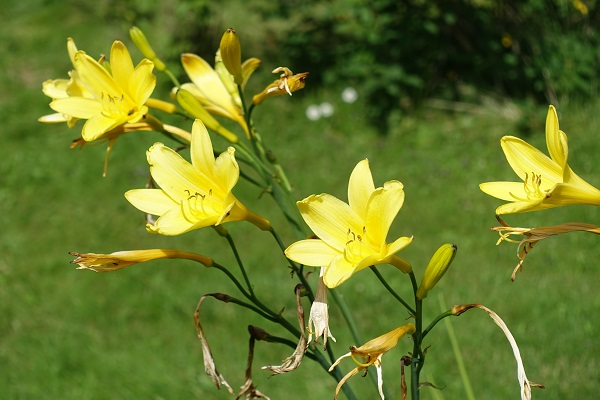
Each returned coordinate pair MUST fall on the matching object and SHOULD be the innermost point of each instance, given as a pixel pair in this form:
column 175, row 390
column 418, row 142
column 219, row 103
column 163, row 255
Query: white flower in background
column 349, row 95
column 326, row 109
column 313, row 112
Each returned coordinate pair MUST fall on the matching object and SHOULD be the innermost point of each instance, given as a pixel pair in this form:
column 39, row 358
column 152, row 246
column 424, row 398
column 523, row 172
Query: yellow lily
column 211, row 89
column 117, row 97
column 372, row 351
column 351, row 236
column 547, row 181
column 193, row 195
column 63, row 88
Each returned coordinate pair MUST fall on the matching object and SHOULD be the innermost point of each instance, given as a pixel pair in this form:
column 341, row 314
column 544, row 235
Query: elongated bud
column 437, row 267
column 140, row 41
column 231, row 54
column 189, row 103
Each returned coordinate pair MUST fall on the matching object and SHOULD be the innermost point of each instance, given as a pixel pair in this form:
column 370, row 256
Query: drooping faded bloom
column 351, row 236
column 192, row 195
column 116, row 97
column 371, row 353
column 524, row 382
column 287, row 83
column 547, row 181
column 318, row 321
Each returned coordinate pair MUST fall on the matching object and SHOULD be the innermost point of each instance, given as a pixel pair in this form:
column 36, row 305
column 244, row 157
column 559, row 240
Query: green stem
column 172, row 77
column 232, row 278
column 389, row 289
column 435, row 321
column 418, row 357
column 240, row 263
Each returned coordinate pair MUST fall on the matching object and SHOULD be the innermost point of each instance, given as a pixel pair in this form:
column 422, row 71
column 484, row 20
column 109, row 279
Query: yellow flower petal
column 151, row 201
column 96, row 78
column 330, row 219
column 526, row 159
column 509, row 191
column 96, row 126
column 382, row 208
column 338, row 271
column 227, row 170
column 177, row 177
column 142, row 82
column 203, row 157
column 173, row 222
column 209, row 84
column 398, row 245
column 312, row 252
column 78, row 107
column 556, row 140
column 121, row 64
column 565, row 194
column 360, row 188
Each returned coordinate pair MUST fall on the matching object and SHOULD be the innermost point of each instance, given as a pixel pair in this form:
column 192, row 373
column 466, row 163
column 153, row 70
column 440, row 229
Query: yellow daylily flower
column 63, row 88
column 117, row 97
column 547, row 181
column 351, row 236
column 193, row 195
column 287, row 83
column 208, row 87
column 371, row 352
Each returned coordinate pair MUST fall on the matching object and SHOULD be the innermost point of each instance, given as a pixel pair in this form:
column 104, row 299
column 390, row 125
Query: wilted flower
column 287, row 83
column 371, row 353
column 318, row 321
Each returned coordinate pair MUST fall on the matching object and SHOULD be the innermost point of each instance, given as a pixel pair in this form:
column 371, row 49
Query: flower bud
column 189, row 103
column 231, row 54
column 436, row 268
column 140, row 41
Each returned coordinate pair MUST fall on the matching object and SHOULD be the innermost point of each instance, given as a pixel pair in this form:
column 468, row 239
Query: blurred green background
column 438, row 86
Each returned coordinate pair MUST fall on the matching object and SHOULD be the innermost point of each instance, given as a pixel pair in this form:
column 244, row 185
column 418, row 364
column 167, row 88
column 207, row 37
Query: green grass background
column 130, row 335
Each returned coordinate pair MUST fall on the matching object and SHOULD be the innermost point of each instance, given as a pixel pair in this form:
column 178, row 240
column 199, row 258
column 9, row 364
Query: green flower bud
column 437, row 267
column 190, row 104
column 140, row 41
column 231, row 54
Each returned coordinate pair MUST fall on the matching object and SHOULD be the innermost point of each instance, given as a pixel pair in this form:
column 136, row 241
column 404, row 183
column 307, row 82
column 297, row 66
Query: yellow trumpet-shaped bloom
column 371, row 352
column 63, row 88
column 116, row 97
column 351, row 236
column 546, row 181
column 208, row 87
column 192, row 195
